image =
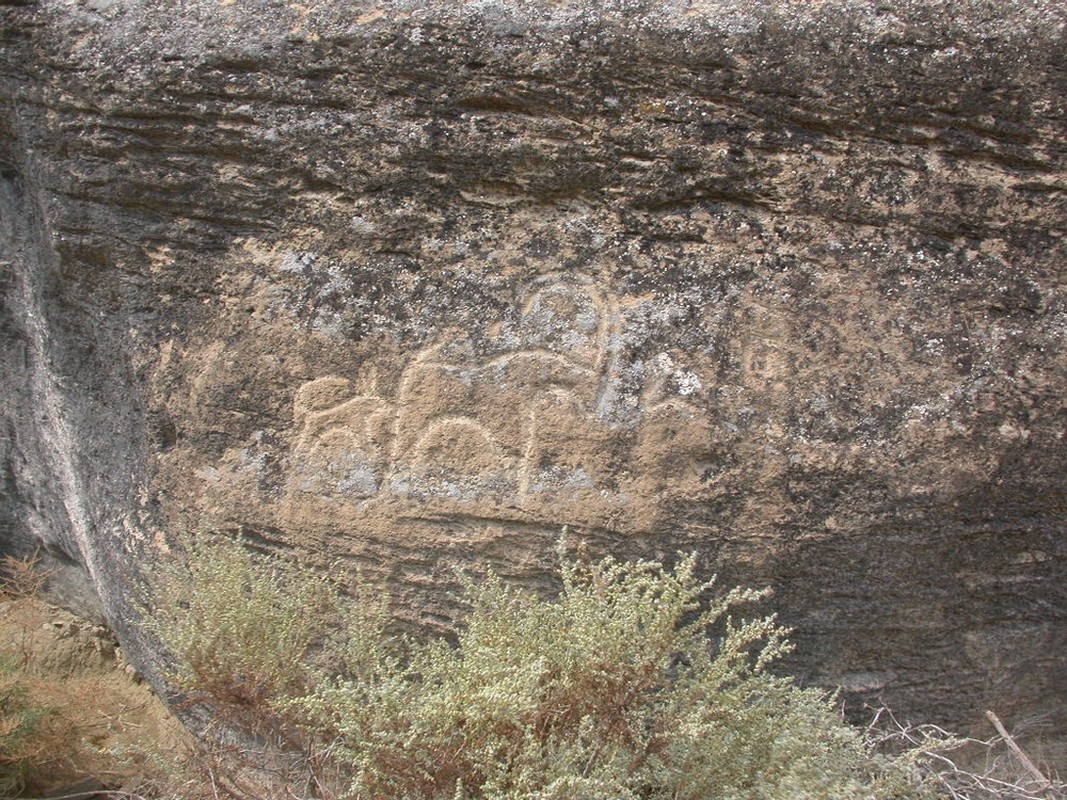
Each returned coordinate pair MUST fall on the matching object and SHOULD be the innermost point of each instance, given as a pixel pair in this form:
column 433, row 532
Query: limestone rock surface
column 414, row 285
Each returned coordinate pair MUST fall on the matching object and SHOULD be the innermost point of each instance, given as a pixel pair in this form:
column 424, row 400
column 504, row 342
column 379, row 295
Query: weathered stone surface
column 415, row 286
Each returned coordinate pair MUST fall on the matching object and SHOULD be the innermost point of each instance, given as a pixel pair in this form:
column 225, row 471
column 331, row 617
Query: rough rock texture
column 412, row 287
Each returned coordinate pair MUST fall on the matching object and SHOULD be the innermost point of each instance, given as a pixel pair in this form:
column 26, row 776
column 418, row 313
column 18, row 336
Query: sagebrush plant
column 630, row 684
column 614, row 691
column 241, row 626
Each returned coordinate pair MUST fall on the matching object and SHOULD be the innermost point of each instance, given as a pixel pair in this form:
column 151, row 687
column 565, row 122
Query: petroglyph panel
column 523, row 420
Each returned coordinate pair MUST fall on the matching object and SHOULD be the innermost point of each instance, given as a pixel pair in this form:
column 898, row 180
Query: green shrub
column 628, row 686
column 613, row 691
column 242, row 627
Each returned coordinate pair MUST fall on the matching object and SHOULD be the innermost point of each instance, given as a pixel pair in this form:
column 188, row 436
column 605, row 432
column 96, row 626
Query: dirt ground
column 103, row 727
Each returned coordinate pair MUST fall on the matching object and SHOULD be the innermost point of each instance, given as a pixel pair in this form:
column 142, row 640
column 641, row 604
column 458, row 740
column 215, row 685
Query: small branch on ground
column 1024, row 759
column 997, row 782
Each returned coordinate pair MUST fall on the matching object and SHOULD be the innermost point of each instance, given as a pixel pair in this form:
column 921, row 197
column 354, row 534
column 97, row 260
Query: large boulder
column 413, row 286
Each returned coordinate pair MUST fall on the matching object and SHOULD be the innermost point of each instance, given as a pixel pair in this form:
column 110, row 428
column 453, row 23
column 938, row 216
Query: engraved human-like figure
column 675, row 439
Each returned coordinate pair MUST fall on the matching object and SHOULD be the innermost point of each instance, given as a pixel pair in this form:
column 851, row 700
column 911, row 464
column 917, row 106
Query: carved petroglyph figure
column 342, row 438
column 515, row 420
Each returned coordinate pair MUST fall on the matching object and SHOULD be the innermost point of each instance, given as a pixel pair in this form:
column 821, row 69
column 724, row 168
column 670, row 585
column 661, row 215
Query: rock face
column 413, row 287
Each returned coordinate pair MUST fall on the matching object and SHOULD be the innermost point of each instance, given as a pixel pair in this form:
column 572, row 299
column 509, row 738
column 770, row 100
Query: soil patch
column 102, row 725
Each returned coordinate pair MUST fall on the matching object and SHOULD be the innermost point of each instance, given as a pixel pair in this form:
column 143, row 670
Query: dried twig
column 1018, row 751
column 22, row 577
column 956, row 782
column 90, row 794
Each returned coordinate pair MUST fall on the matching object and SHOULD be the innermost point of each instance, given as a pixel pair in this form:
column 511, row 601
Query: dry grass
column 22, row 578
column 986, row 769
column 69, row 710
